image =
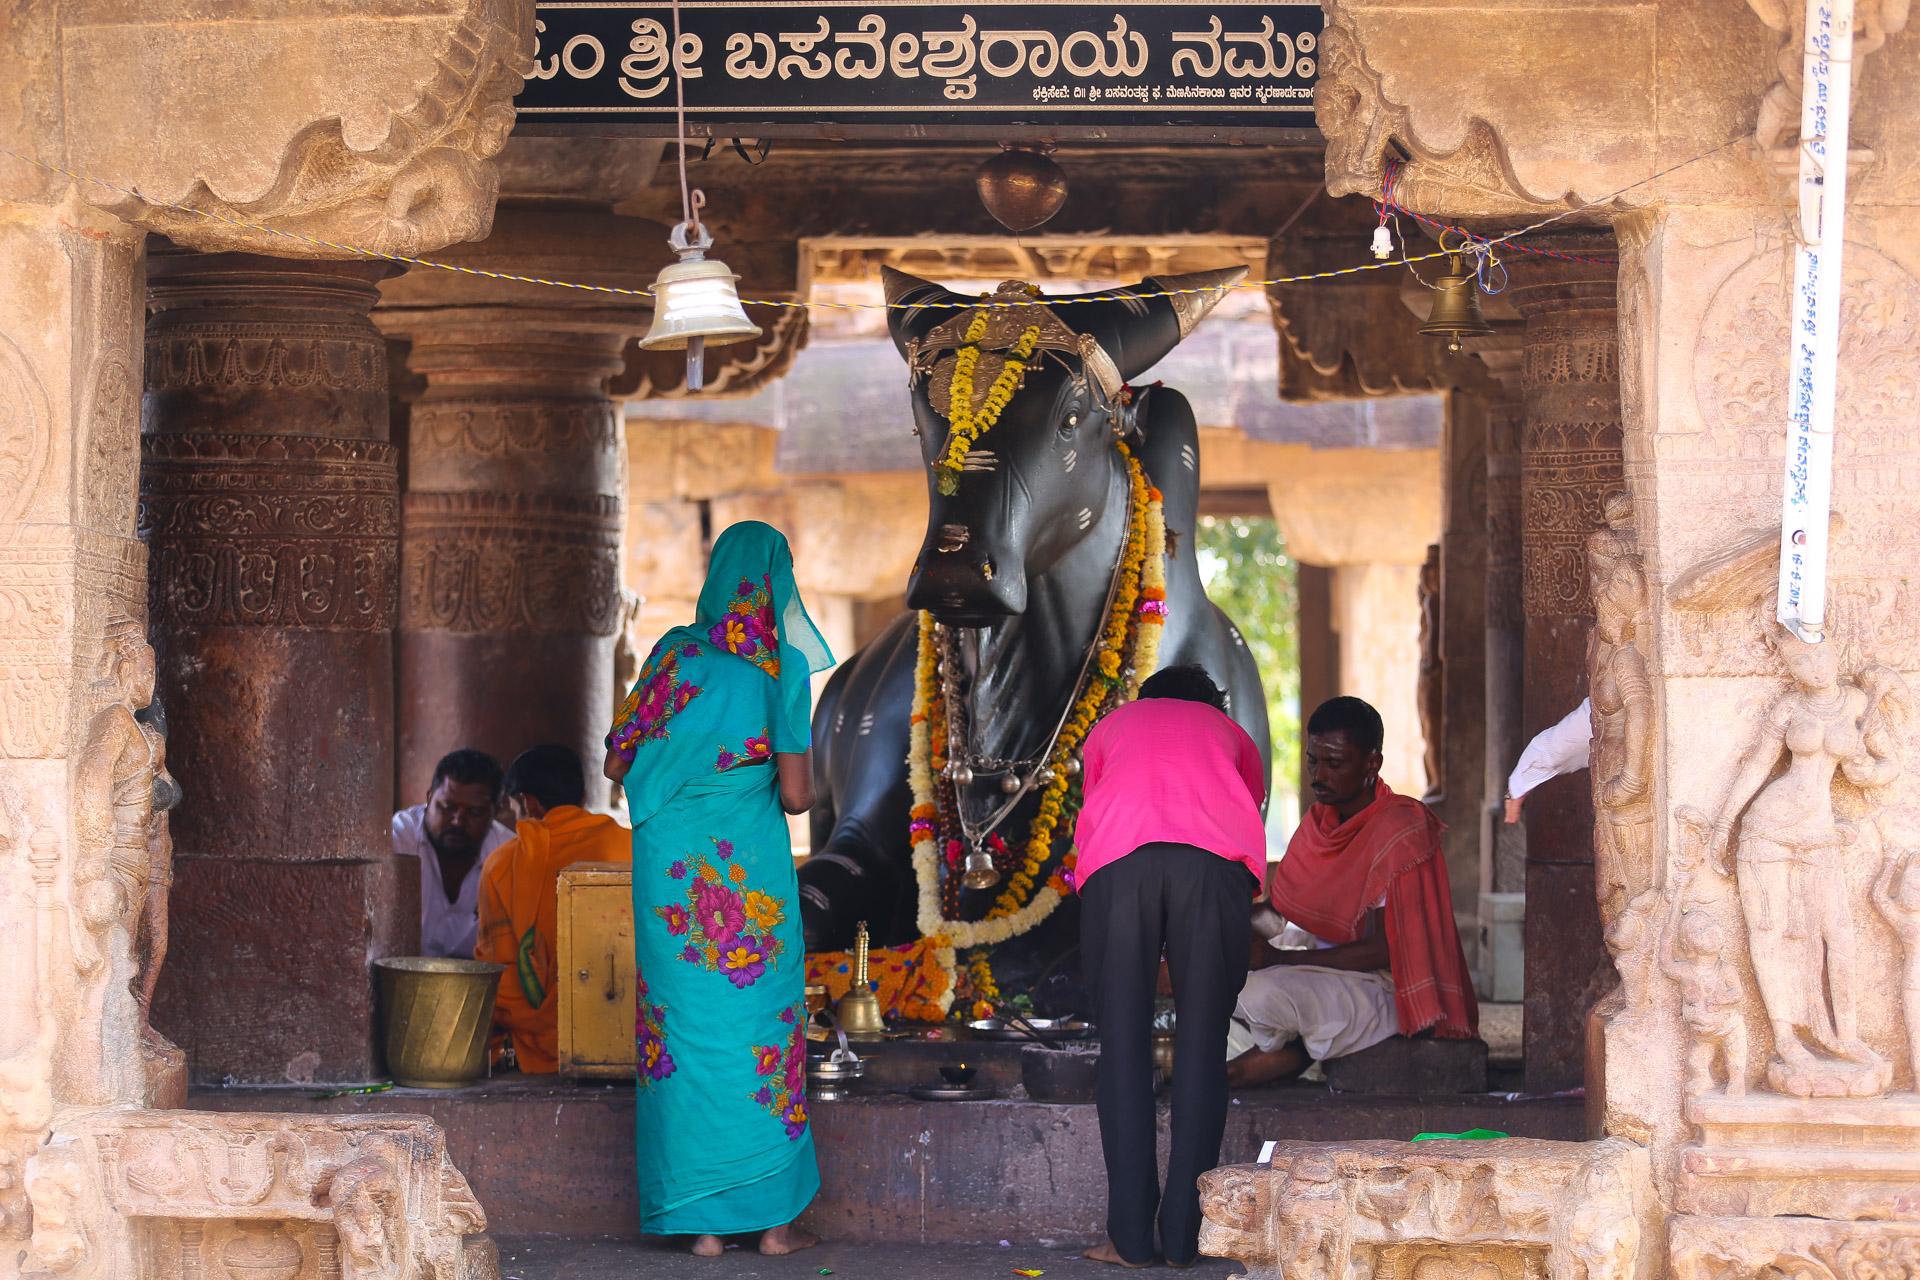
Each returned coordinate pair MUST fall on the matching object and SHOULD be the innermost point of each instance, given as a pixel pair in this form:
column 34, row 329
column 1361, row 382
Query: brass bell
column 980, row 871
column 695, row 303
column 859, row 1009
column 1456, row 306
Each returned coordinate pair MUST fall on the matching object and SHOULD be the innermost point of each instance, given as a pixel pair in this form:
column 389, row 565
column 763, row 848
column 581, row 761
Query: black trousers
column 1199, row 907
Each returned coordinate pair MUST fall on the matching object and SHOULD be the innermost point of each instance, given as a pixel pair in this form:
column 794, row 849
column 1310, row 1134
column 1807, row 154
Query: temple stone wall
column 1751, row 863
column 376, row 130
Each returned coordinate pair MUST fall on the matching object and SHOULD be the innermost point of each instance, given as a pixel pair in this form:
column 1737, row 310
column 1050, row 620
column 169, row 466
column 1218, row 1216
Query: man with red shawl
column 1365, row 881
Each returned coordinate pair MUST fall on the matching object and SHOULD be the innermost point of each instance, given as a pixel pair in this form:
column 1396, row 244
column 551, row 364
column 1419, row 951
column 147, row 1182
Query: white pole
column 1825, row 110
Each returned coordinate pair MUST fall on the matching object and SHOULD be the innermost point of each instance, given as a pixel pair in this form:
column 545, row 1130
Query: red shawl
column 1334, row 871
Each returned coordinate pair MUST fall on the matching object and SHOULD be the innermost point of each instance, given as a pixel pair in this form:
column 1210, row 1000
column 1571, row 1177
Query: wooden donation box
column 594, row 960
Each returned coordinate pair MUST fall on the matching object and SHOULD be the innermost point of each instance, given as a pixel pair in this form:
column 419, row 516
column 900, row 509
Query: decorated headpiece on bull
column 1050, row 582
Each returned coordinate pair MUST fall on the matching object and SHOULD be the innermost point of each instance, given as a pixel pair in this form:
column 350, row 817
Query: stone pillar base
column 155, row 1195
column 1515, row 1208
column 1749, row 1248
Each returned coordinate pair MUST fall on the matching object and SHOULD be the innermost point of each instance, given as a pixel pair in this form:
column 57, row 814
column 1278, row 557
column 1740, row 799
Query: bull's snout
column 964, row 580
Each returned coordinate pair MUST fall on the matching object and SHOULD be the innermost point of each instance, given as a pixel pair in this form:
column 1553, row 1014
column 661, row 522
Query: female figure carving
column 1790, row 844
column 1622, row 695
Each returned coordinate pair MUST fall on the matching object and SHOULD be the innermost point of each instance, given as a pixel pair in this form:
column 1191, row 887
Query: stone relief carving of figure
column 166, row 794
column 1631, row 941
column 1696, row 952
column 1779, row 115
column 120, row 761
column 1623, row 721
column 1791, row 846
column 1316, row 1224
column 1896, row 892
column 1602, row 1230
column 367, row 1215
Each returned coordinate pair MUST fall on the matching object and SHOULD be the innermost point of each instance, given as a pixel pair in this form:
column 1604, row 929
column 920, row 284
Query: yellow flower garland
column 965, row 425
column 1132, row 629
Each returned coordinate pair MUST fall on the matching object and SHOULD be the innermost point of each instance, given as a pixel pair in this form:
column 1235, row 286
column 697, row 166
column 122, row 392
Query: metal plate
column 1034, row 1030
column 950, row 1093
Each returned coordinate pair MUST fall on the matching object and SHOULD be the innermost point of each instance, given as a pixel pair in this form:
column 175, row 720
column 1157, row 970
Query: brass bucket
column 437, row 1013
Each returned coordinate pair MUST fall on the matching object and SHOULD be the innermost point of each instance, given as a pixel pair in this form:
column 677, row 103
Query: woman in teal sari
column 712, row 745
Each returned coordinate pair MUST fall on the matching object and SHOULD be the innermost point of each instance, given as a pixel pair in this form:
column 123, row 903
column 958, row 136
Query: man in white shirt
column 452, row 834
column 1560, row 748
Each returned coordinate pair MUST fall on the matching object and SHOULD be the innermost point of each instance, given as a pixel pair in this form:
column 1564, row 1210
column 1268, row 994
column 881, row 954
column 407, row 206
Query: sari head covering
column 725, row 1142
column 750, row 606
column 702, row 707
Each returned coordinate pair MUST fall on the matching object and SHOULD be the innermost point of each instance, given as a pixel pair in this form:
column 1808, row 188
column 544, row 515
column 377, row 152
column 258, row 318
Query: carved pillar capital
column 510, row 542
column 268, row 491
column 374, row 132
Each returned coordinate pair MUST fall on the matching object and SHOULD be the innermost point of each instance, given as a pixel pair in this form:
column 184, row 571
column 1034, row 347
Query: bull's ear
column 908, row 316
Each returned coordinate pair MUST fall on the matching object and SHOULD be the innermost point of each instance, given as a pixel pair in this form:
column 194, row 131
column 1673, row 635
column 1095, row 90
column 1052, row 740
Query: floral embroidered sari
column 724, row 1143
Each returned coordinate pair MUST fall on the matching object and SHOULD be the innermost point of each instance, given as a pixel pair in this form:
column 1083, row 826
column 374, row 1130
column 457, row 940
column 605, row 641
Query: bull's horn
column 909, row 322
column 1192, row 295
column 898, row 284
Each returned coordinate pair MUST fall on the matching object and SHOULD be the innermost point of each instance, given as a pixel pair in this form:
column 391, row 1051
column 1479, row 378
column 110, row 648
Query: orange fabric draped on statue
column 1334, row 871
column 518, row 902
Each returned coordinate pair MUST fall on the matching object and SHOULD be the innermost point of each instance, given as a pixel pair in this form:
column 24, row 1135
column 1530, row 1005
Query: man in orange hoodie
column 519, row 893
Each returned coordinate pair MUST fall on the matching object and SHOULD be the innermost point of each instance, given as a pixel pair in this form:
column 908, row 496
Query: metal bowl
column 831, row 1080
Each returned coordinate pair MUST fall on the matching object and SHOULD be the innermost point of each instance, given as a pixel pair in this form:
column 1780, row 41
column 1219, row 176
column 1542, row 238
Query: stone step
column 551, row 1157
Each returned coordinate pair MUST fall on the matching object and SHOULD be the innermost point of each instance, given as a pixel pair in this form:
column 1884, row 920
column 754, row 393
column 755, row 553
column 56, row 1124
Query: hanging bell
column 1456, row 306
column 980, row 871
column 694, row 303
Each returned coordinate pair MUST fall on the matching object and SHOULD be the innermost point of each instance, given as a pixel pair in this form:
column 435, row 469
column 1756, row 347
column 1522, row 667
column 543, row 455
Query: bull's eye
column 1073, row 419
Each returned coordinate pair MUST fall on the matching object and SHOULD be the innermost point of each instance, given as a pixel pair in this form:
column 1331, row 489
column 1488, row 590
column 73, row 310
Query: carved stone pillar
column 1570, row 459
column 510, row 596
column 271, row 512
column 1503, row 847
column 1319, row 654
column 1460, row 747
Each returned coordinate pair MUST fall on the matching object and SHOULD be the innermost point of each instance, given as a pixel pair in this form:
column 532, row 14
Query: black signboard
column 901, row 69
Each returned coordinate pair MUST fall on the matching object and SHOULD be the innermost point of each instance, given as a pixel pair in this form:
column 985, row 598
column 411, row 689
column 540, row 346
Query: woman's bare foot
column 777, row 1241
column 708, row 1246
column 1105, row 1252
column 1267, row 1066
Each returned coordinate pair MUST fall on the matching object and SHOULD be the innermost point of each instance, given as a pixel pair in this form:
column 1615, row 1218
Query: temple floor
column 550, row 1157
column 575, row 1258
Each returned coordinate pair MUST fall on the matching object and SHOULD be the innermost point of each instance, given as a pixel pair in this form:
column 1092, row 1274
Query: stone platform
column 549, row 1157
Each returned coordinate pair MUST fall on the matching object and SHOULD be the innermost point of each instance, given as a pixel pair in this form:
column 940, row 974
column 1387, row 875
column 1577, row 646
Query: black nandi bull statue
column 1019, row 557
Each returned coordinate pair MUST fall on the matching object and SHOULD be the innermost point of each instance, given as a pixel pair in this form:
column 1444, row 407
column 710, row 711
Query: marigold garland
column 1128, row 651
column 914, row 982
column 966, row 426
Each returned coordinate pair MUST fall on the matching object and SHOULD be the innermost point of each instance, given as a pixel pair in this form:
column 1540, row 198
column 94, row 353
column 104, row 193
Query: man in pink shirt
column 1172, row 849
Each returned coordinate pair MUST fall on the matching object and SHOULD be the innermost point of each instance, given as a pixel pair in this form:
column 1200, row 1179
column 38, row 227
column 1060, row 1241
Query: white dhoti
column 1333, row 1012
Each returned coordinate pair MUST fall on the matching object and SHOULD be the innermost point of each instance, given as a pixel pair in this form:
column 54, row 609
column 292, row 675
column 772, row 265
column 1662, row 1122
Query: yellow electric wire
column 405, row 259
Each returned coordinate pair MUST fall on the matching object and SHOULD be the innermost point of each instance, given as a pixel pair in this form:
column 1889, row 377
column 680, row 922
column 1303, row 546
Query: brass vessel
column 859, row 1010
column 436, row 1014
